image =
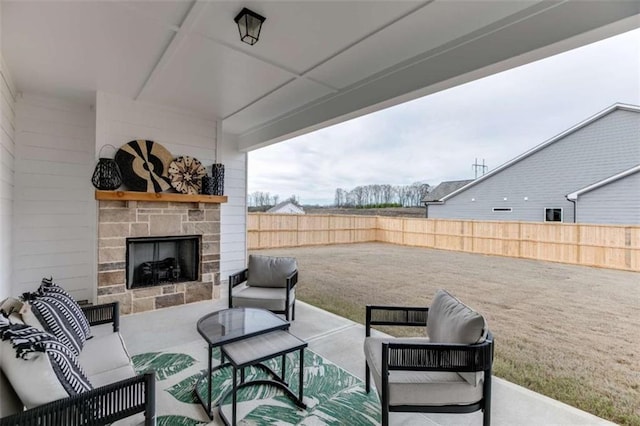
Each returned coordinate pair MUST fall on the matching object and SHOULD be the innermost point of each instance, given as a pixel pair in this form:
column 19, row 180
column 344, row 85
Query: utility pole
column 475, row 166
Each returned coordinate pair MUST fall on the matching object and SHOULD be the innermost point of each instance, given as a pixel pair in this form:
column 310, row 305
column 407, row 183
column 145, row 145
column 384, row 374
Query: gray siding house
column 614, row 200
column 596, row 161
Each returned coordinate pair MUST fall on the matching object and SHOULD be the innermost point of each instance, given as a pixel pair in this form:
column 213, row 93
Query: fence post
column 520, row 239
column 579, row 244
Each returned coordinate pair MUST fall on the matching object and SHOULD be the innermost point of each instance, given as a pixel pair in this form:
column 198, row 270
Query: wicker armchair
column 431, row 374
column 99, row 406
column 268, row 283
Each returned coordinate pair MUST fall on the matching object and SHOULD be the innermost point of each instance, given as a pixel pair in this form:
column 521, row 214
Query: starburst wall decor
column 186, row 175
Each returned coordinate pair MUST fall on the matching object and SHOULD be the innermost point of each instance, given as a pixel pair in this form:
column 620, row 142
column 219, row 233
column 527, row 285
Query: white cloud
column 439, row 136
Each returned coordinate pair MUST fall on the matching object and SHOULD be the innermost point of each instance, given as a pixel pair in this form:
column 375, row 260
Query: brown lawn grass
column 568, row 332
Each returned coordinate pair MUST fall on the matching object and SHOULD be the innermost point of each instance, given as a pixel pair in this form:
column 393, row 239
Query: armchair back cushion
column 268, row 271
column 451, row 321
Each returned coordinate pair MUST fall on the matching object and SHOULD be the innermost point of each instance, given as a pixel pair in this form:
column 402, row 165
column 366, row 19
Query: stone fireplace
column 120, row 221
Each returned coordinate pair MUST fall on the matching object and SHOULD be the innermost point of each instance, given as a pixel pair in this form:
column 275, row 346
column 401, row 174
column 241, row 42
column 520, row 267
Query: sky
column 438, row 137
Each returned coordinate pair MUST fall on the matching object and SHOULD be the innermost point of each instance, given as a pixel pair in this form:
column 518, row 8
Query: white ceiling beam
column 504, row 45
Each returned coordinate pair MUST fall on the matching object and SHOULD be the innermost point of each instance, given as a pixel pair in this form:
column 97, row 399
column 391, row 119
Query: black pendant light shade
column 249, row 25
column 106, row 176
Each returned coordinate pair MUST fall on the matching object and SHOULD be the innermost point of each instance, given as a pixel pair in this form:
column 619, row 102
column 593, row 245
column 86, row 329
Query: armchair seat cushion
column 408, row 387
column 112, row 376
column 103, row 353
column 273, row 299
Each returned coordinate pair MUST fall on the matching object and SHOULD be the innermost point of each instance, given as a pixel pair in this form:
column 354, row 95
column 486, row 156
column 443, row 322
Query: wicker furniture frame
column 427, row 357
column 98, row 406
column 242, row 276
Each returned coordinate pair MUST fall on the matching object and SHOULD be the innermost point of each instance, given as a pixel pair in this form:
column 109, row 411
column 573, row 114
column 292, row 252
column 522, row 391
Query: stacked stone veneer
column 118, row 220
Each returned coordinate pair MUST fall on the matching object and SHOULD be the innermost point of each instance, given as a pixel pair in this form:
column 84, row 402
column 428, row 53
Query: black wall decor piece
column 208, row 188
column 144, row 166
column 217, row 173
column 106, row 176
column 214, row 184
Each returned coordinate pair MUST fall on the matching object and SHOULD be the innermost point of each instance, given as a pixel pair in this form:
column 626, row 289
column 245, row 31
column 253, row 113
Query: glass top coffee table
column 232, row 325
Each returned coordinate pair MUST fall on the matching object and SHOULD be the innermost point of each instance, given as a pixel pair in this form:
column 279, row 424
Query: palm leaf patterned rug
column 333, row 396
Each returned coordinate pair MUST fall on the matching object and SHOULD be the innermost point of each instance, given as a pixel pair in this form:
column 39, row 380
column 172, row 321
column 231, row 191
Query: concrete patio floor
column 340, row 341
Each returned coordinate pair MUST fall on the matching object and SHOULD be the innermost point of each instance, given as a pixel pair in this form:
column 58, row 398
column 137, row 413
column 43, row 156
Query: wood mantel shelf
column 159, row 196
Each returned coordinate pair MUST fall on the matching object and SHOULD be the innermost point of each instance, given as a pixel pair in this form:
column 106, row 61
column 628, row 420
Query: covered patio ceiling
column 317, row 62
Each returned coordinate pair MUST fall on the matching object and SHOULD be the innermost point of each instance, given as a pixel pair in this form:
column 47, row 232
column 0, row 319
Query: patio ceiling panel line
column 136, row 10
column 176, row 42
column 365, row 37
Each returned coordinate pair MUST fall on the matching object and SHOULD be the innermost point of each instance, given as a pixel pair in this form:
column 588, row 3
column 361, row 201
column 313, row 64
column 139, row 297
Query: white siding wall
column 599, row 150
column 234, row 214
column 7, row 155
column 616, row 203
column 120, row 120
column 54, row 212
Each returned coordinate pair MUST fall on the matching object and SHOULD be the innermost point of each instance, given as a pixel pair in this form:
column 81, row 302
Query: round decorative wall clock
column 144, row 166
column 186, row 175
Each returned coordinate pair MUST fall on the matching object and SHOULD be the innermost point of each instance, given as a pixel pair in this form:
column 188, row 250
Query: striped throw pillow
column 59, row 314
column 36, row 379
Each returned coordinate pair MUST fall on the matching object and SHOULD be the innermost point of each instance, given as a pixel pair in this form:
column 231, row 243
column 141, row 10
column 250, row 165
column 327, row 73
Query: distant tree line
column 367, row 196
column 262, row 199
column 382, row 196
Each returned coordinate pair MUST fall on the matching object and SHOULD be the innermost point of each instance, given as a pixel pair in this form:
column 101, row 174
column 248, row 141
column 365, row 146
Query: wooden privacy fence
column 605, row 246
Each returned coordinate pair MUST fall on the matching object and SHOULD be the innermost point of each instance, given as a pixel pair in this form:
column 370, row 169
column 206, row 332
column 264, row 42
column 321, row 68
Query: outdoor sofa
column 41, row 384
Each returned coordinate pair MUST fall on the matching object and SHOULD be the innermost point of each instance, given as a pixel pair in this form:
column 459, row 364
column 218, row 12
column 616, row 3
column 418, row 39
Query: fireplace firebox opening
column 153, row 261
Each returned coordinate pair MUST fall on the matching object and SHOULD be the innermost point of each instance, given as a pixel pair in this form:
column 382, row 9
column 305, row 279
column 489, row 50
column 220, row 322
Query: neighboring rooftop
column 286, row 207
column 444, row 189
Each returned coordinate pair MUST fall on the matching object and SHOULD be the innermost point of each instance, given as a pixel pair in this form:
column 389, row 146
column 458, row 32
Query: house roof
column 574, row 195
column 599, row 115
column 443, row 189
column 317, row 63
column 280, row 205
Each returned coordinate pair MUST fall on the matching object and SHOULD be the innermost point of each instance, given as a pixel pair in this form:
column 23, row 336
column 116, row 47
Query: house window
column 553, row 215
column 502, row 209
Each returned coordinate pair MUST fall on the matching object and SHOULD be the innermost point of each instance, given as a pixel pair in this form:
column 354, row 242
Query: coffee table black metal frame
column 252, row 352
column 228, row 326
